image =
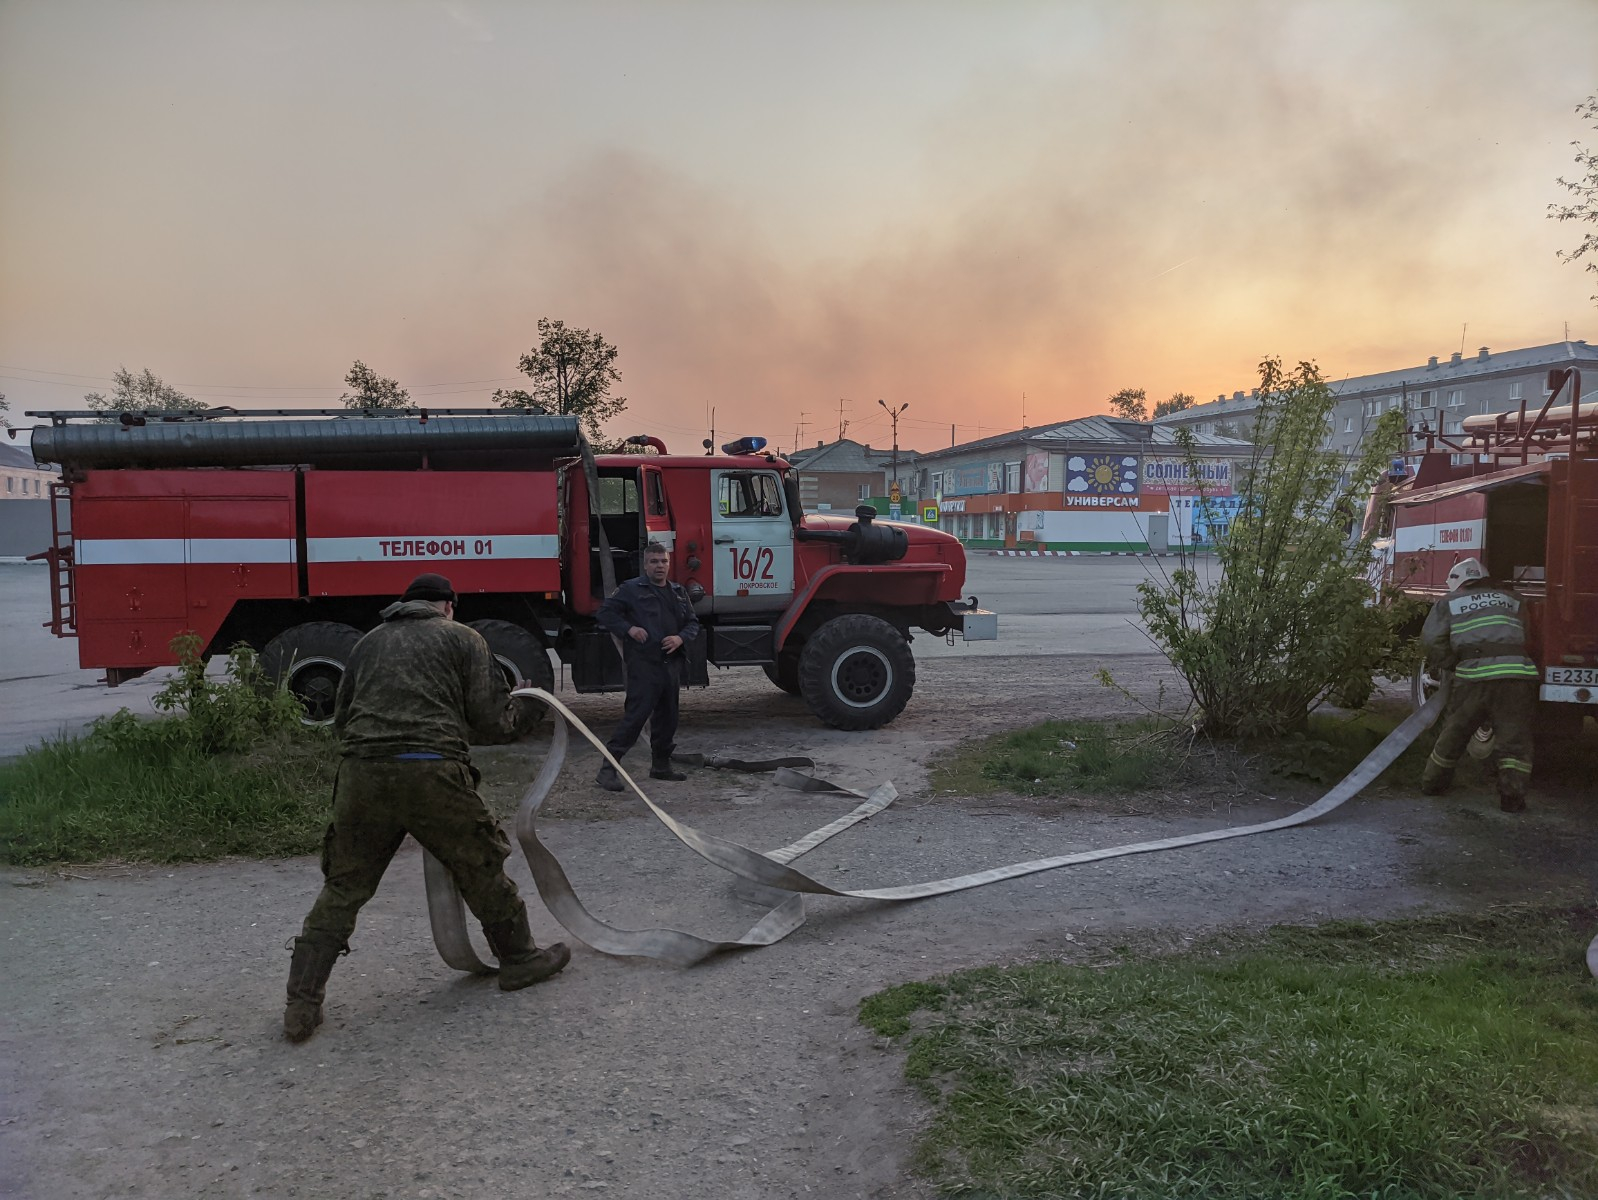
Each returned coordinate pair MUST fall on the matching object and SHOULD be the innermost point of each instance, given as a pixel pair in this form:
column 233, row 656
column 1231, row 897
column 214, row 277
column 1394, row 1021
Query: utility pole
column 893, row 414
column 843, row 423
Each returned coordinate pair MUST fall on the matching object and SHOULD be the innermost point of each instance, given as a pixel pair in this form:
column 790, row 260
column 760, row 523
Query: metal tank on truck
column 288, row 531
column 1519, row 491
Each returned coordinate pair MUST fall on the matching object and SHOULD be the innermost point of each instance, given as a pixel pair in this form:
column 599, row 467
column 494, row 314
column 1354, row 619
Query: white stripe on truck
column 432, row 547
column 149, row 552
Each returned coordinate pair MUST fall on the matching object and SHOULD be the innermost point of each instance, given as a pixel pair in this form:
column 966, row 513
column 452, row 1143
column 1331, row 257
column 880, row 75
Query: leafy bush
column 221, row 715
column 1289, row 618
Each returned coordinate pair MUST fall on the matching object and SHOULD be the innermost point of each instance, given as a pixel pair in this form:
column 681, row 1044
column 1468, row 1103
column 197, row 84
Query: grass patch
column 229, row 771
column 1331, row 745
column 1058, row 756
column 1438, row 1057
column 164, row 799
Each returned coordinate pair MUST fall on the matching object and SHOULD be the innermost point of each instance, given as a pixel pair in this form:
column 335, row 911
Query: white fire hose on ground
column 770, row 879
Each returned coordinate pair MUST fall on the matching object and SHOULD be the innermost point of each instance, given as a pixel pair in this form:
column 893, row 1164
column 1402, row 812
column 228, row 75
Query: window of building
column 1461, row 460
column 1454, row 423
column 1514, row 391
column 864, row 492
column 11, row 484
column 1456, row 398
column 937, row 484
column 1348, row 424
column 1394, row 401
column 1424, row 399
column 1012, row 477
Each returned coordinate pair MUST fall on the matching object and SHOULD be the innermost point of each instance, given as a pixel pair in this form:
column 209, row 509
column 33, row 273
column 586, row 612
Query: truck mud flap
column 780, row 883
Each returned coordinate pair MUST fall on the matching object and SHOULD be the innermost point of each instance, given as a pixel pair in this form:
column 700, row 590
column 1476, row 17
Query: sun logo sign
column 1101, row 474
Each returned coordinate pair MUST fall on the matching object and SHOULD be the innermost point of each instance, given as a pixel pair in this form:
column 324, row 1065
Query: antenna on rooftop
column 1462, row 329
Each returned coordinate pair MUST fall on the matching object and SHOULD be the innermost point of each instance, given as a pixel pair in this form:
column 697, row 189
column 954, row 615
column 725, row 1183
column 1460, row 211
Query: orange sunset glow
column 772, row 208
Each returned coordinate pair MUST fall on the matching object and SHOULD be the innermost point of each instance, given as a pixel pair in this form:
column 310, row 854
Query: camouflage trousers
column 1510, row 705
column 375, row 804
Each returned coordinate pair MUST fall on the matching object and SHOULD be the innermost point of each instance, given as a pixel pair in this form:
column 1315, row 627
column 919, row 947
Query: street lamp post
column 893, row 414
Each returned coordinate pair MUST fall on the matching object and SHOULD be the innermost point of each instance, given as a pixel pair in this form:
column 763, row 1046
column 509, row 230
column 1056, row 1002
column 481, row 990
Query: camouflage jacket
column 1477, row 630
column 419, row 683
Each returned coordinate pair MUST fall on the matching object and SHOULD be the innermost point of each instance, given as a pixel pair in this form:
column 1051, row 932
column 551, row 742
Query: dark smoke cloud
column 1198, row 193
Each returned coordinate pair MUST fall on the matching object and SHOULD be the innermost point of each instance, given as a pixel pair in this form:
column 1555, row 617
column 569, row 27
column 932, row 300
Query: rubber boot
column 308, row 971
column 521, row 963
column 608, row 779
column 1435, row 780
column 660, row 768
column 1511, row 792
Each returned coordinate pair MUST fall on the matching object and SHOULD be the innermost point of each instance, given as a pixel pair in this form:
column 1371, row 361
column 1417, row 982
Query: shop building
column 1100, row 483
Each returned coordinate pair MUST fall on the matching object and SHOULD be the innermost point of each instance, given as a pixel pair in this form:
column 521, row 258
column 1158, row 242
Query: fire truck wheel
column 785, row 672
column 856, row 672
column 309, row 660
column 519, row 654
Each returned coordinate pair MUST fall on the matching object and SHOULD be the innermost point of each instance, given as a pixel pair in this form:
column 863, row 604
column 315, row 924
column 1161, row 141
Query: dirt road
column 139, row 1007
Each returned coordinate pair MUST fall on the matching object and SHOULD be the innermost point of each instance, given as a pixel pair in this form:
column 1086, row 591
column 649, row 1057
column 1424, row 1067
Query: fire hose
column 768, row 877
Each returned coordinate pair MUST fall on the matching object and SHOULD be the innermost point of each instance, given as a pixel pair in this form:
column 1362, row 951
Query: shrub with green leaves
column 228, row 714
column 1289, row 619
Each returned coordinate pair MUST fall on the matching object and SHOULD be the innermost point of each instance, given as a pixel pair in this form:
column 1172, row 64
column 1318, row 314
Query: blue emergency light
column 748, row 445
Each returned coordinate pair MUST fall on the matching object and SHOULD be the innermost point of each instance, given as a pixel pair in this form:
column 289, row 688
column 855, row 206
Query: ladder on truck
column 63, row 620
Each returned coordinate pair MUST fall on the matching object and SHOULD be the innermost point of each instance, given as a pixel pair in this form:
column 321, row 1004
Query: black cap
column 429, row 587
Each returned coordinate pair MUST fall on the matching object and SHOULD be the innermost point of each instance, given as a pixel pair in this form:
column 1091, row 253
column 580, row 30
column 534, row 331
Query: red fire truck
column 290, row 531
column 1519, row 491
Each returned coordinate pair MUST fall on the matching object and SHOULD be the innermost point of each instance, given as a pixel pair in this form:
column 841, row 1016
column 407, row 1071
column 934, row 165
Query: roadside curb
column 1083, row 554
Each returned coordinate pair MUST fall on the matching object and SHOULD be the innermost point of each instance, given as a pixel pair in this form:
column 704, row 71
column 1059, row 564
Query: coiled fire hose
column 780, row 885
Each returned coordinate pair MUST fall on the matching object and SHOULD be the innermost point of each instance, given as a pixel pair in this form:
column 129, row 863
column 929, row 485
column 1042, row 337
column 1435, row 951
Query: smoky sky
column 1154, row 195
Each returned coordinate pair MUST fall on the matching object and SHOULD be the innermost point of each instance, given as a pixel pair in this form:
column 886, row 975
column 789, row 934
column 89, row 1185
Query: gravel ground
column 140, row 1034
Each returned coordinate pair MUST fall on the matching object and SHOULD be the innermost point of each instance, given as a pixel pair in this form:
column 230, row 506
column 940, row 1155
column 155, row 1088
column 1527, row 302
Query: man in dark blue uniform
column 654, row 619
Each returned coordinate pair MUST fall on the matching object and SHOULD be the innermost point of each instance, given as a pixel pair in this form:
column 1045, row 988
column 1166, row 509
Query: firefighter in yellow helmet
column 1476, row 631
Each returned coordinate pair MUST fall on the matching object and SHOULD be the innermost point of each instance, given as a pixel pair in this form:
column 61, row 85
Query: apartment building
column 1435, row 396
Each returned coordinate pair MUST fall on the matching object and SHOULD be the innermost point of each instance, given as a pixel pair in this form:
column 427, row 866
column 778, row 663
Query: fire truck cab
column 290, row 531
column 1519, row 491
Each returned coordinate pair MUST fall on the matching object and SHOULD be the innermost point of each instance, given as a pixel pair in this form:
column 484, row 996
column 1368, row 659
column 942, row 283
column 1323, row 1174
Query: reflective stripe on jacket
column 1477, row 630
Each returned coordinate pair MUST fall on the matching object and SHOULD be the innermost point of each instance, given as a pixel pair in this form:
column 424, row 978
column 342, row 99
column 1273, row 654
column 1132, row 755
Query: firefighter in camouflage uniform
column 413, row 692
column 1476, row 631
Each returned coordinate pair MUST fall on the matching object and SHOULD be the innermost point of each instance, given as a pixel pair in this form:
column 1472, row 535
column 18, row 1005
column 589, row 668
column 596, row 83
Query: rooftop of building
column 17, row 458
column 845, row 456
column 1100, row 428
column 1434, row 372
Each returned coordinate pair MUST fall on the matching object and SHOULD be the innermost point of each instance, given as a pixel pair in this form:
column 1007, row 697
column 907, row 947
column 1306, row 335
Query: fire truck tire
column 785, row 672
column 856, row 672
column 309, row 660
column 519, row 654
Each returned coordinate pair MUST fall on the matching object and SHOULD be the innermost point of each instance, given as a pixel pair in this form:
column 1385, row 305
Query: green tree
column 372, row 390
column 1177, row 402
column 5, row 423
column 1284, row 620
column 1585, row 190
column 144, row 392
column 1131, row 403
column 572, row 371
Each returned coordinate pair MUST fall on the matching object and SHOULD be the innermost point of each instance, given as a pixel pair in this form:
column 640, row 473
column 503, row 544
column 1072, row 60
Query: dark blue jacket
column 659, row 611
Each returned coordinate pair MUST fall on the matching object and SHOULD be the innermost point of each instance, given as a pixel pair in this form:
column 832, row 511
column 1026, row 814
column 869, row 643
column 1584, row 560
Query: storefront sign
column 1101, row 475
column 1178, row 477
column 1077, row 501
column 1037, row 472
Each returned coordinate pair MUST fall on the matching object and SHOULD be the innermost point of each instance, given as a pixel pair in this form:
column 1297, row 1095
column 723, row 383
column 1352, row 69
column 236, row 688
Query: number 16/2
column 752, row 562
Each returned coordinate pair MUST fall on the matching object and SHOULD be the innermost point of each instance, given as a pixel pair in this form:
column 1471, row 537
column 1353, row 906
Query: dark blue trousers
column 651, row 697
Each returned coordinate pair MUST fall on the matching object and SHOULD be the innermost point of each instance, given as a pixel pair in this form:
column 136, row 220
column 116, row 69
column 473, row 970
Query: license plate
column 1572, row 675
